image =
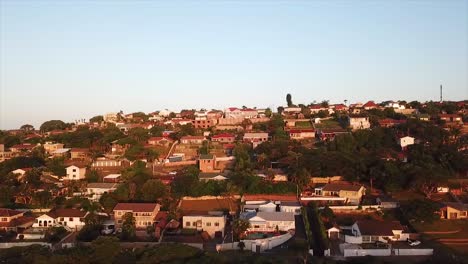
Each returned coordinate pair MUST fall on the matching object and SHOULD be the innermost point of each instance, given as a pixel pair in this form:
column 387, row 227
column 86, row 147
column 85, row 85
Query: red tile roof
column 4, row 212
column 270, row 197
column 370, row 104
column 224, row 135
column 301, row 130
column 66, row 213
column 136, row 207
column 192, row 137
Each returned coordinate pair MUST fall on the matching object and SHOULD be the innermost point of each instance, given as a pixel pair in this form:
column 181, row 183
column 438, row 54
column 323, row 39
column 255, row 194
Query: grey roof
column 206, row 156
column 458, row 206
column 103, row 185
column 290, row 203
column 336, row 187
column 276, row 216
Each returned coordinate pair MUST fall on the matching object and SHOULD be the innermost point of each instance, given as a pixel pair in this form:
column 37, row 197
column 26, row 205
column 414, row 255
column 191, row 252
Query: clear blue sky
column 76, row 59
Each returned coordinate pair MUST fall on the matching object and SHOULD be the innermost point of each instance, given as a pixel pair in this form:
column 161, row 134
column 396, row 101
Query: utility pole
column 441, row 100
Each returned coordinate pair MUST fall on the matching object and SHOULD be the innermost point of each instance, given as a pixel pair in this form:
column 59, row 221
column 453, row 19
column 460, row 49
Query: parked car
column 413, row 242
column 173, row 173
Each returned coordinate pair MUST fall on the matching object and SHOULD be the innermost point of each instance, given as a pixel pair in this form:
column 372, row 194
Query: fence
column 367, row 252
column 24, row 244
column 258, row 245
column 413, row 251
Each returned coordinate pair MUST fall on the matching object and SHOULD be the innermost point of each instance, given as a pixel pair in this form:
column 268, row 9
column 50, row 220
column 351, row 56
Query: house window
column 194, row 223
column 81, row 219
column 61, row 219
column 74, row 170
column 4, row 219
column 256, row 226
column 216, row 224
column 187, row 224
column 119, row 213
column 208, row 224
column 366, row 239
column 463, row 213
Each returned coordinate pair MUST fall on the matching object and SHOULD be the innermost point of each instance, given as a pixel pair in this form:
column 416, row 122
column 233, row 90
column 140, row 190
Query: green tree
column 153, row 190
column 128, row 227
column 96, row 119
column 289, row 100
column 239, row 227
column 27, row 127
column 57, row 166
column 105, row 250
column 268, row 112
column 53, row 125
column 108, row 202
column 92, row 176
column 421, row 210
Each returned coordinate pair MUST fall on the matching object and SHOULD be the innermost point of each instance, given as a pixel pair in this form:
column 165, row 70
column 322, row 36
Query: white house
column 270, row 221
column 96, row 189
column 75, row 173
column 212, row 224
column 359, row 122
column 406, row 141
column 370, row 231
column 71, row 218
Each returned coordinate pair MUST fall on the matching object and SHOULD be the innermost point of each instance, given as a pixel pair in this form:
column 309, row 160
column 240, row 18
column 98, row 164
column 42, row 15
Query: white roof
column 112, row 176
column 61, row 151
column 273, row 216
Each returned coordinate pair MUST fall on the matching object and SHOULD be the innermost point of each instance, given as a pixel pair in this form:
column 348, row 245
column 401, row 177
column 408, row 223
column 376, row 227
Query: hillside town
column 337, row 182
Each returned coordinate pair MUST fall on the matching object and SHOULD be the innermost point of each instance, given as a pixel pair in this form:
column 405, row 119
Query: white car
column 413, row 242
column 173, row 173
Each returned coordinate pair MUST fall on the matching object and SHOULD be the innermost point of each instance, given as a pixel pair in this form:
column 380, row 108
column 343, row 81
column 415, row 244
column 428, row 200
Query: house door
column 257, row 248
column 453, row 216
column 334, row 235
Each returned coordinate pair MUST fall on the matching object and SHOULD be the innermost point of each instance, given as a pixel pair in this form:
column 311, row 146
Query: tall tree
column 289, row 100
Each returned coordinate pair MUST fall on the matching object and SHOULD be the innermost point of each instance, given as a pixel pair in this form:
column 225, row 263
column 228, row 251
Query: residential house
column 359, row 122
column 330, row 134
column 204, row 123
column 71, row 218
column 112, row 178
column 161, row 141
column 26, row 147
column 79, row 153
column 95, row 190
column 451, row 118
column 370, row 105
column 371, row 231
column 192, row 140
column 61, row 153
column 271, row 203
column 395, row 105
column 301, row 133
column 144, row 213
column 13, row 220
column 269, row 221
column 203, row 176
column 104, row 163
column 337, row 192
column 4, row 155
column 207, row 163
column 75, row 172
column 21, row 172
column 315, row 109
column 388, row 122
column 244, row 113
column 223, row 138
column 454, row 211
column 213, row 223
column 387, row 202
column 255, row 138
column 50, row 146
column 205, row 204
column 406, row 141
column 292, row 110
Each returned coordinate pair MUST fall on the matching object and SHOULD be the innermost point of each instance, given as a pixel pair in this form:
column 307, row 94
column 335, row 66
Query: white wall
column 367, row 252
